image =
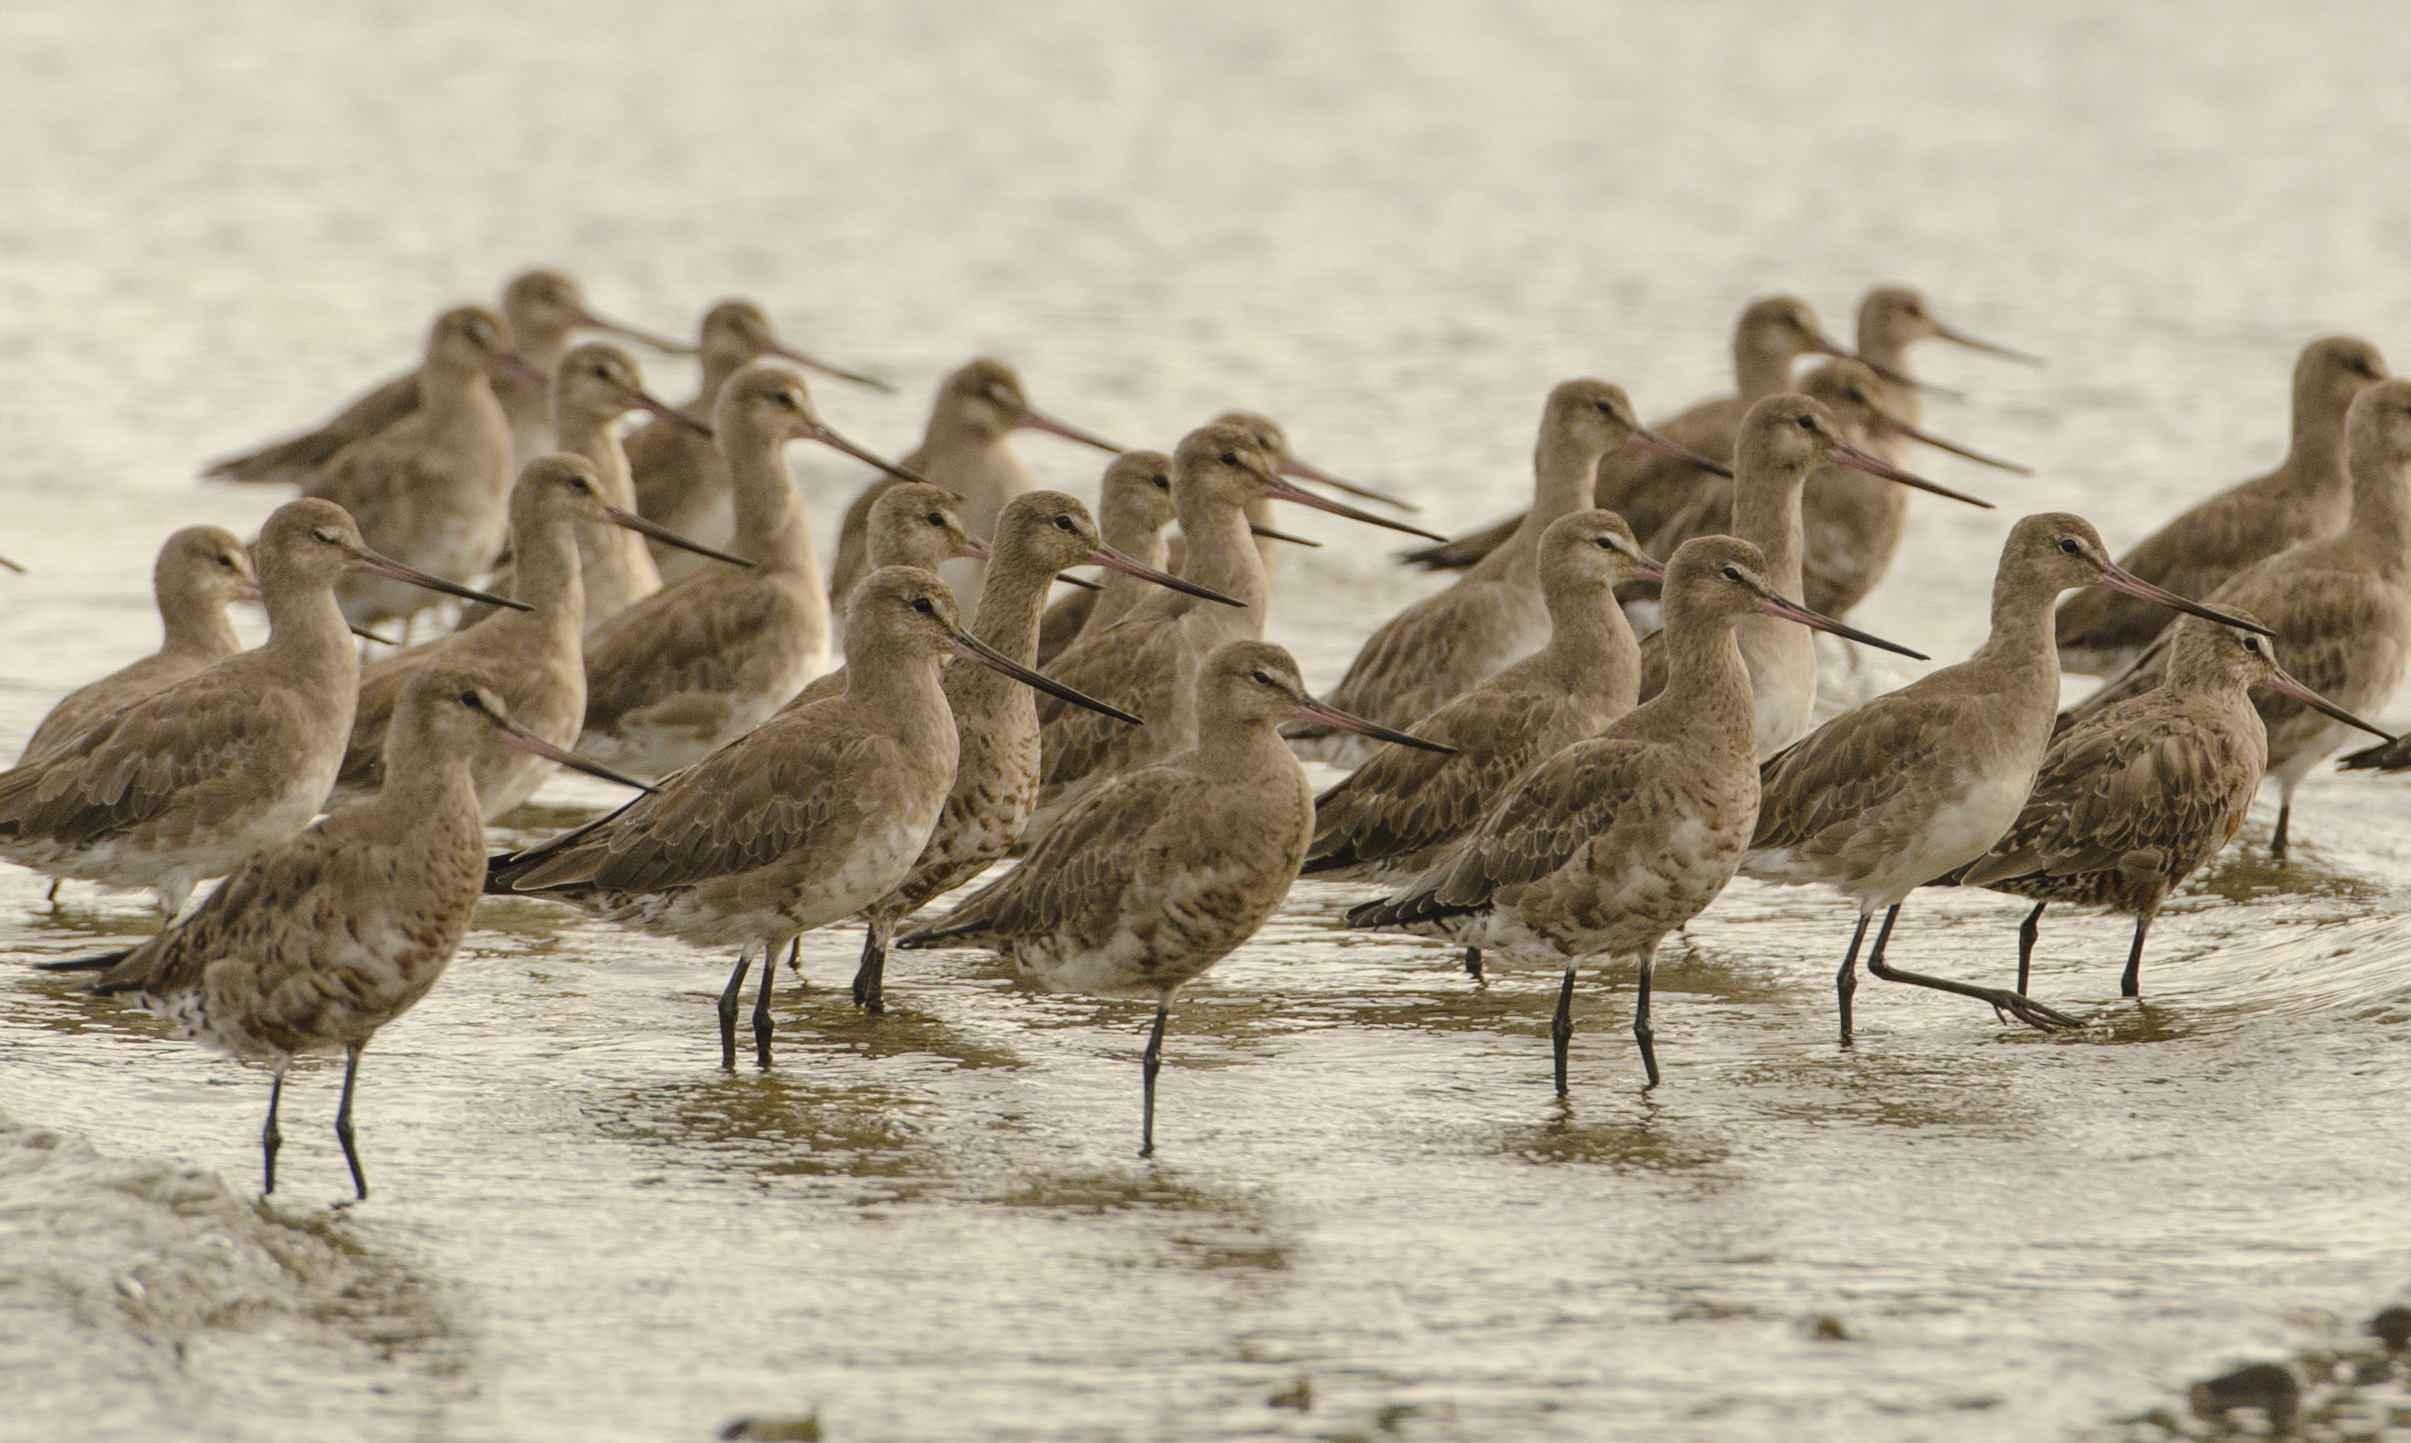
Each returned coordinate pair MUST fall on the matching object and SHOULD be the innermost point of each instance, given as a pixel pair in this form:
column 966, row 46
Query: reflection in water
column 772, row 1125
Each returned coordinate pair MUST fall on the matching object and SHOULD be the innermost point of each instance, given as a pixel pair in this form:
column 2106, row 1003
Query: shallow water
column 1394, row 227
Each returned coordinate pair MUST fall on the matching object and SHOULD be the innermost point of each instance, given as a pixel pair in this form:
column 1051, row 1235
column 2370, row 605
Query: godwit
column 199, row 571
column 2307, row 497
column 532, row 659
column 2135, row 797
column 2340, row 606
column 1387, row 820
column 1850, row 518
column 801, row 822
column 1784, row 439
column 189, row 781
column 1614, row 842
column 1647, row 488
column 1893, row 318
column 1274, row 442
column 543, row 308
column 1134, row 505
column 915, row 524
column 432, row 489
column 964, row 450
column 593, row 387
column 1163, row 872
column 681, row 481
column 996, row 774
column 711, row 657
column 1148, row 661
column 317, row 940
column 1443, row 645
column 1921, row 781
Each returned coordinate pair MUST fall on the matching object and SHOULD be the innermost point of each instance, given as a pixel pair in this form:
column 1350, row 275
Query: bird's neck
column 546, row 573
column 1761, row 369
column 1707, row 697
column 2022, row 636
column 308, row 637
column 904, row 694
column 2381, row 510
column 198, row 627
column 1239, row 749
column 1591, row 650
column 449, row 391
column 1220, row 554
column 1766, row 514
column 2317, row 454
column 772, row 528
column 1143, row 543
column 1564, row 471
column 596, row 438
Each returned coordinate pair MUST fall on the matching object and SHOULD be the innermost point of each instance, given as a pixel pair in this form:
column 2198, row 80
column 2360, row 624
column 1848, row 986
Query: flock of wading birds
column 1537, row 783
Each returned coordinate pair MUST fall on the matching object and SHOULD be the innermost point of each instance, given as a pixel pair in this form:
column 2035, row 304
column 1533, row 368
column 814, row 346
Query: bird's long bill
column 1314, row 711
column 1257, row 529
column 971, row 648
column 514, row 364
column 1320, row 476
column 840, row 372
column 1898, row 427
column 655, row 406
column 1645, row 569
column 1033, row 419
column 667, row 537
column 2286, row 686
column 646, row 339
column 1958, row 337
column 1657, row 445
column 831, row 439
column 393, row 570
column 365, row 634
column 1898, row 378
column 1777, row 606
column 1857, row 460
column 1080, row 581
column 1129, row 565
column 11, row 565
column 515, row 735
column 2118, row 578
column 1281, row 490
column 974, row 549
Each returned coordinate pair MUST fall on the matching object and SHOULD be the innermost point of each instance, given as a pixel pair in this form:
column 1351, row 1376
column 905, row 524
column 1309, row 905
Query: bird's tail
column 101, row 963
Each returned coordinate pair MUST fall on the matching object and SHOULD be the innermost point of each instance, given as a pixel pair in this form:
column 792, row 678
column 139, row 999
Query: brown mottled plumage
column 432, row 490
column 1614, row 842
column 199, row 571
column 1134, row 505
column 1444, row 645
column 2340, row 606
column 1161, row 872
column 1387, row 820
column 1921, row 781
column 2307, row 497
column 914, row 524
column 976, row 409
column 317, row 941
column 799, row 822
column 2133, row 798
column 708, row 658
column 533, row 659
column 996, row 774
column 186, row 783
column 1784, row 439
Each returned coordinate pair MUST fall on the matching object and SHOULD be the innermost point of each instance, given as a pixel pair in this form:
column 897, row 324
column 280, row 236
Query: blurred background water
column 1393, row 226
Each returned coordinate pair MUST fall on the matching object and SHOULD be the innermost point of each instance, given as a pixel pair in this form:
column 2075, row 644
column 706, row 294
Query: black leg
column 54, row 894
column 1473, row 961
column 728, row 1010
column 1149, row 1065
column 795, row 964
column 1845, row 982
column 270, row 1138
column 873, row 970
column 761, row 1005
column 2285, row 814
column 343, row 1120
column 2026, row 1010
column 2131, row 985
column 1642, row 1032
column 2028, row 930
column 1561, row 1030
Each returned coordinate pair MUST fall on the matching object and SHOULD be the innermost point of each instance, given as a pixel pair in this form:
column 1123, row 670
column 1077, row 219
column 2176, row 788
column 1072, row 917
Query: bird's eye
column 227, row 562
column 470, row 700
column 2068, row 544
column 1732, row 573
column 935, row 518
column 1604, row 544
column 1230, row 458
column 1806, row 423
column 922, row 605
column 1604, row 408
column 1163, row 483
column 329, row 537
column 603, row 371
column 1262, row 678
column 1064, row 523
column 2252, row 644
